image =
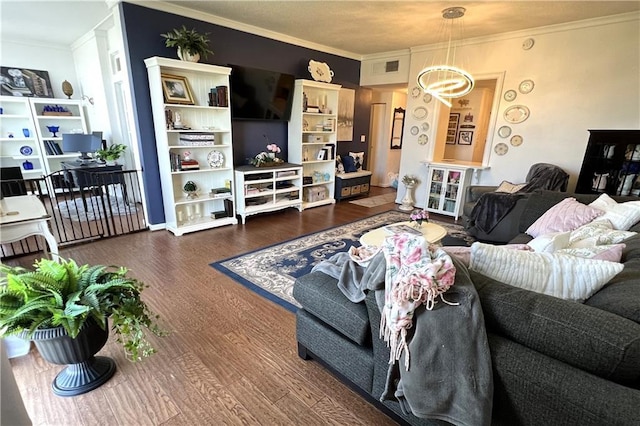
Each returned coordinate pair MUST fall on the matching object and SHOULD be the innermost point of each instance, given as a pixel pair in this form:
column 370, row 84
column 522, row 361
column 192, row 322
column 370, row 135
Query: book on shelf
column 48, row 148
column 219, row 96
column 56, row 148
column 189, row 165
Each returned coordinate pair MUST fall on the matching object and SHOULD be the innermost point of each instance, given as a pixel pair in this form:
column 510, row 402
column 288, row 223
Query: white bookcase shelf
column 24, row 124
column 312, row 134
column 208, row 210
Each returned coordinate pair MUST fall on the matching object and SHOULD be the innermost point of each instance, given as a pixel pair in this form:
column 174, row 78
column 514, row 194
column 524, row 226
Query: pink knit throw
column 417, row 273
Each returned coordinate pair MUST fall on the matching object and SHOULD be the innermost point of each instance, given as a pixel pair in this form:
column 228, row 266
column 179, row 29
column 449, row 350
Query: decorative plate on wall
column 516, row 114
column 215, row 159
column 504, row 131
column 510, row 95
column 420, row 113
column 526, row 86
column 414, row 130
column 423, row 139
column 528, row 43
column 26, row 150
column 415, row 92
column 425, row 127
column 501, row 148
column 516, row 140
column 427, row 98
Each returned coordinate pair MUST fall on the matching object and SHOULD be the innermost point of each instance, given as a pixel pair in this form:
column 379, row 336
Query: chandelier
column 445, row 80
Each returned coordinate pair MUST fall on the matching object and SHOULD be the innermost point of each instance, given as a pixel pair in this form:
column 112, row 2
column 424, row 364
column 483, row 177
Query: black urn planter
column 85, row 371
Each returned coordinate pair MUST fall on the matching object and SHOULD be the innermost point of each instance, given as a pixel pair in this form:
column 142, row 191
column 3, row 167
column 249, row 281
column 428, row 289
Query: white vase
column 407, row 201
column 185, row 56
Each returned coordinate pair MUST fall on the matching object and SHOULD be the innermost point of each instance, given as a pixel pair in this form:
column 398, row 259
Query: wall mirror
column 397, row 128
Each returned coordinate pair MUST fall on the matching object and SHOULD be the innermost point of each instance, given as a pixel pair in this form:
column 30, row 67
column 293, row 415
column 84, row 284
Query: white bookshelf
column 310, row 132
column 182, row 214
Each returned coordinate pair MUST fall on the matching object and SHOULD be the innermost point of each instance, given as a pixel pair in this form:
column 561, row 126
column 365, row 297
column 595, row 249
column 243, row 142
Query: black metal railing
column 84, row 206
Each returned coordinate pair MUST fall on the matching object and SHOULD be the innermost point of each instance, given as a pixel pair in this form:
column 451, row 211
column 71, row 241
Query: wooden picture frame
column 465, row 137
column 397, row 128
column 176, row 89
column 452, row 128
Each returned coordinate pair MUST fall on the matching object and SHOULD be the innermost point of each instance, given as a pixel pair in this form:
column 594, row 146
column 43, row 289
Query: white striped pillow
column 559, row 275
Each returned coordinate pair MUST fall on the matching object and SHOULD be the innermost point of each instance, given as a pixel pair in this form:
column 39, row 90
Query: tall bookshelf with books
column 52, row 118
column 192, row 122
column 313, row 138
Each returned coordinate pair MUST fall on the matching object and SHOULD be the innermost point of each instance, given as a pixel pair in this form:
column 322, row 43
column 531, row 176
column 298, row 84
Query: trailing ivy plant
column 67, row 295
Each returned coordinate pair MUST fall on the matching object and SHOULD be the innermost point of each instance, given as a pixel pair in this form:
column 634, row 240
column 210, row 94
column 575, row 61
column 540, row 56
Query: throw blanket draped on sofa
column 450, row 377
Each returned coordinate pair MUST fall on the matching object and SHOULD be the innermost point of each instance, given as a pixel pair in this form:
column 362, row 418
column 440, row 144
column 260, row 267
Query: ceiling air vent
column 392, row 66
column 385, row 67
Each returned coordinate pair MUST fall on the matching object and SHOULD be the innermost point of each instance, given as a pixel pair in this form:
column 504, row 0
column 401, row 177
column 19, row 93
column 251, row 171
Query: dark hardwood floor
column 231, row 355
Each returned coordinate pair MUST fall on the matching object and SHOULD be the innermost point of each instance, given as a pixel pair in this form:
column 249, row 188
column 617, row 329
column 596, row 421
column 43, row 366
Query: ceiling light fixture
column 445, row 80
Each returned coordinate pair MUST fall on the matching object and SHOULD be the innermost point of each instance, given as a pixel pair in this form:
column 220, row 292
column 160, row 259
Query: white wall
column 56, row 60
column 587, row 76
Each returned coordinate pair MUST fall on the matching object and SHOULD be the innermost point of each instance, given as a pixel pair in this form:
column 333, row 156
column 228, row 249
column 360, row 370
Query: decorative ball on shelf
column 67, row 88
column 190, row 188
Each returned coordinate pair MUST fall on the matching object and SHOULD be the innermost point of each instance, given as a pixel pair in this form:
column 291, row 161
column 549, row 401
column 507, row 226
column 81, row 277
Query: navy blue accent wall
column 143, row 26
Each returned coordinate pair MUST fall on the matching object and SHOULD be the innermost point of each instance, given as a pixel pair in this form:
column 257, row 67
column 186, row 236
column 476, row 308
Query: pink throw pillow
column 567, row 215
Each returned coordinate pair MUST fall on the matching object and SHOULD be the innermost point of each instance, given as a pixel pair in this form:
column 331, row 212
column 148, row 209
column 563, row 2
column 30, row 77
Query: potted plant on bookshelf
column 191, row 44
column 65, row 308
column 112, row 153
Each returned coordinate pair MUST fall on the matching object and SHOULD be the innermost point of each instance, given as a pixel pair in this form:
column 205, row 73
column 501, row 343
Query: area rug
column 271, row 271
column 378, row 200
column 95, row 208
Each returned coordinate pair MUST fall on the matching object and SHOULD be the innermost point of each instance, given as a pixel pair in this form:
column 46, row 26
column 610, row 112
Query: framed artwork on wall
column 465, row 137
column 176, row 89
column 16, row 81
column 346, row 112
column 452, row 128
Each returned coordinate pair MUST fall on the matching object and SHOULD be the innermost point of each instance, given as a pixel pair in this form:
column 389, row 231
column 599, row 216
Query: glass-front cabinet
column 446, row 187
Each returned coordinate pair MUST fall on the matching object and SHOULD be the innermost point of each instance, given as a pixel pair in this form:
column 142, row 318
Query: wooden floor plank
column 231, row 356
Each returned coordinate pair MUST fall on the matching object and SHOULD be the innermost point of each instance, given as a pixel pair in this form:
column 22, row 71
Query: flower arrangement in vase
column 417, row 217
column 267, row 158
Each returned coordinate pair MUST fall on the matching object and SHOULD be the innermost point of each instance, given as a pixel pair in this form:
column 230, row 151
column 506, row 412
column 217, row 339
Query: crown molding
column 548, row 29
column 228, row 23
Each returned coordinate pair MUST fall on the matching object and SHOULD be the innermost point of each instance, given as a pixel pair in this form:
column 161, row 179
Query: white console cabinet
column 266, row 189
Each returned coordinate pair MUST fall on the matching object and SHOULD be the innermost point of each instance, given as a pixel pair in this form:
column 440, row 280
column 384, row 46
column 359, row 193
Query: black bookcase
column 611, row 163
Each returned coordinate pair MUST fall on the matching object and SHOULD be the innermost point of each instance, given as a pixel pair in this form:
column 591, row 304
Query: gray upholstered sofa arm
column 474, row 192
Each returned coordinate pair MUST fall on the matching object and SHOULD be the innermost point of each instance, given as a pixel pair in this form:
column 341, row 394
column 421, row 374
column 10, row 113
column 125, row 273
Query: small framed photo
column 465, row 137
column 176, row 89
column 321, row 155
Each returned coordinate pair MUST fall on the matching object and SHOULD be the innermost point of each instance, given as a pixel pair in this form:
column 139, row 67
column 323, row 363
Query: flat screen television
column 258, row 94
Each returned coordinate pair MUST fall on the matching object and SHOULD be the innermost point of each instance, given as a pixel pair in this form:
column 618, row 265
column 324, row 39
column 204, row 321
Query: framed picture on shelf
column 321, row 155
column 465, row 137
column 176, row 89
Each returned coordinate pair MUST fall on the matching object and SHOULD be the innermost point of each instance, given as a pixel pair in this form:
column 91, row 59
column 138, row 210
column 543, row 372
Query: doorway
column 463, row 128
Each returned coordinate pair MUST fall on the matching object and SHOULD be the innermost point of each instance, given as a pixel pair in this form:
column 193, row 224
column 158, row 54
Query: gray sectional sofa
column 555, row 362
